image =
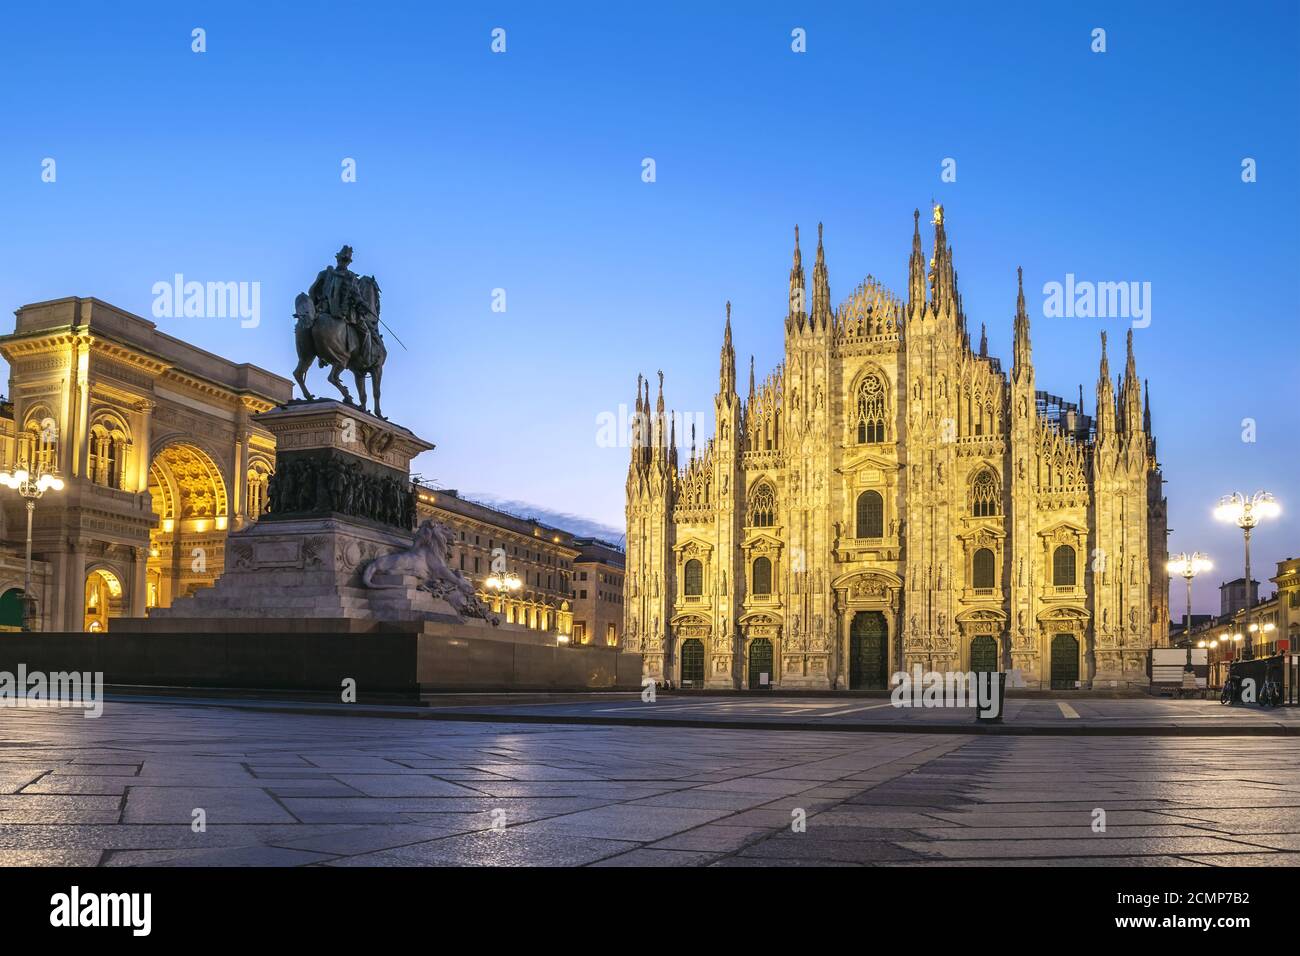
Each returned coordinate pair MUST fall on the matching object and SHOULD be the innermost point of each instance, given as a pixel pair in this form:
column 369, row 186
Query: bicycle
column 1230, row 693
column 1270, row 695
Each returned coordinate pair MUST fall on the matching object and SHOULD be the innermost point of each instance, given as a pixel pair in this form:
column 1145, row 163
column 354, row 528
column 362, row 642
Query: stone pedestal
column 340, row 497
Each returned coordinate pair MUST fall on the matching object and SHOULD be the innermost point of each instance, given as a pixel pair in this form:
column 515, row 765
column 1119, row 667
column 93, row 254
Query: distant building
column 597, row 593
column 541, row 557
column 1232, row 596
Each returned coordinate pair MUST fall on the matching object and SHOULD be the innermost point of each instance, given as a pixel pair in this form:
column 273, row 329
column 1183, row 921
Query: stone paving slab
column 291, row 789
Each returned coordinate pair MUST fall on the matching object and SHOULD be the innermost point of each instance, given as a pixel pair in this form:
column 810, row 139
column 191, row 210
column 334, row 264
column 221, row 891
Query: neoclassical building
column 890, row 496
column 157, row 447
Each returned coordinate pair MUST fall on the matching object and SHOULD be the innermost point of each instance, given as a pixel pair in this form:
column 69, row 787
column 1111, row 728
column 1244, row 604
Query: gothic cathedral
column 889, row 497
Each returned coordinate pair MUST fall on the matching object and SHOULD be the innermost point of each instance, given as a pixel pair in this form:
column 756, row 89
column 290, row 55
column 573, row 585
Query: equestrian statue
column 337, row 323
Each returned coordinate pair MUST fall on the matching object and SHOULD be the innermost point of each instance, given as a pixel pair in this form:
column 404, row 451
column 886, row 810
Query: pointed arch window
column 1063, row 566
column 871, row 515
column 984, row 495
column 694, row 577
column 762, row 576
column 983, row 574
column 870, row 409
column 762, row 507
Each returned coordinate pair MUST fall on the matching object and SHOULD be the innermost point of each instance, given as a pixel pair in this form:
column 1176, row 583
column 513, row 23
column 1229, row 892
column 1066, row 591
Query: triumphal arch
column 155, row 443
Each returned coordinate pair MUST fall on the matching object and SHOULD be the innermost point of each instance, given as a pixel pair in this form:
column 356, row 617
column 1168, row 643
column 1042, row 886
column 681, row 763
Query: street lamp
column 1246, row 513
column 21, row 481
column 1189, row 565
column 503, row 584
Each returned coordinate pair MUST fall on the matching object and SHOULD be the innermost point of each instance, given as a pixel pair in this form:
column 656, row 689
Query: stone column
column 139, row 582
column 238, row 478
column 74, row 587
column 143, row 444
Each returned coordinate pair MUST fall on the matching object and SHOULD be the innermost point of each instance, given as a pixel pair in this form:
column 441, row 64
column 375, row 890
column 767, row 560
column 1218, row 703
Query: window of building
column 611, row 635
column 871, row 515
column 762, row 506
column 694, row 578
column 1063, row 569
column 984, row 494
column 762, row 576
column 982, row 570
column 870, row 410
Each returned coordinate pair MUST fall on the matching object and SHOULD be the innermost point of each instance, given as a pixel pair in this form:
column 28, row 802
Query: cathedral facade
column 888, row 497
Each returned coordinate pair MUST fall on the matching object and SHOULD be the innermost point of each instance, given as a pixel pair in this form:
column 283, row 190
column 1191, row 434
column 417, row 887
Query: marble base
column 309, row 568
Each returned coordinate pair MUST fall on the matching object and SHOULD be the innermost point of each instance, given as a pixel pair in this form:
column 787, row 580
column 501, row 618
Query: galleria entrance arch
column 155, row 442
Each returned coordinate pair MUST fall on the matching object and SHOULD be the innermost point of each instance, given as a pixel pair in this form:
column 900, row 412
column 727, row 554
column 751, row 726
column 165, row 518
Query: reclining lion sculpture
column 426, row 559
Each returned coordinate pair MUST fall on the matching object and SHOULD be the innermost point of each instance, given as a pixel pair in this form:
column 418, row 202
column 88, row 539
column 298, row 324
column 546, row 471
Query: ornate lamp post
column 1246, row 513
column 1189, row 565
column 501, row 584
column 21, row 481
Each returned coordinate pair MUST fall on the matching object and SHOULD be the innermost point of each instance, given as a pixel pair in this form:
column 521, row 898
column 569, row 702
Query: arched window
column 984, row 495
column 107, row 452
column 982, row 572
column 1063, row 571
column 40, row 445
column 762, row 576
column 870, row 410
column 694, row 578
column 255, row 497
column 871, row 515
column 762, row 507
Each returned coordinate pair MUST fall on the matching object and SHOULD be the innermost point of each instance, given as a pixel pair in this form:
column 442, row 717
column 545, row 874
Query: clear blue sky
column 522, row 171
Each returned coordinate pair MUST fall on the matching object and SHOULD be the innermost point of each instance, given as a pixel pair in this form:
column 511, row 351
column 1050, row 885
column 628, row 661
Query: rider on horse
column 336, row 292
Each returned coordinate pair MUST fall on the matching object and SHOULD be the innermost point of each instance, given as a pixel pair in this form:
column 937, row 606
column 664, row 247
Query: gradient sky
column 522, row 171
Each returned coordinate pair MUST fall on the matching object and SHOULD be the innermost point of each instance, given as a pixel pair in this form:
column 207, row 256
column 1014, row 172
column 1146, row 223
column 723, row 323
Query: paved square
column 293, row 789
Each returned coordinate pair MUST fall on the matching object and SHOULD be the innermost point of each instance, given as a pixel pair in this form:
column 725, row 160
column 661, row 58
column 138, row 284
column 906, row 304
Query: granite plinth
column 398, row 660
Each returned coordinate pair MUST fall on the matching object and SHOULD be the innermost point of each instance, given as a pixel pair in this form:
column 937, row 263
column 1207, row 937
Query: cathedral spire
column 1105, row 396
column 821, row 309
column 916, row 267
column 672, row 440
column 751, row 379
column 1130, row 402
column 940, row 263
column 727, row 374
column 1146, row 406
column 638, row 420
column 798, row 293
column 1021, row 352
column 659, row 439
column 984, row 342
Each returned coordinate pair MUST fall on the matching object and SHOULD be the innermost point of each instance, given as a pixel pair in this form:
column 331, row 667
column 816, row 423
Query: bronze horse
column 338, row 343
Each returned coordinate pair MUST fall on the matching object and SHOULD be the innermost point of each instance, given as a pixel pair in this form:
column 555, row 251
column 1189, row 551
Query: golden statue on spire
column 937, row 218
